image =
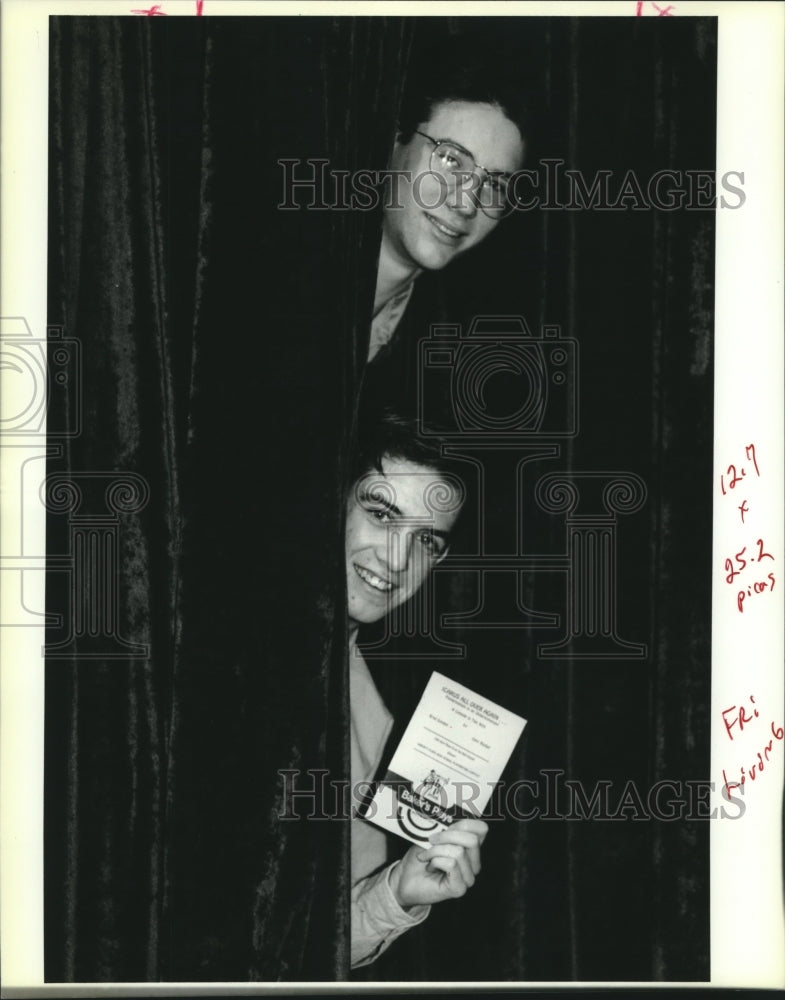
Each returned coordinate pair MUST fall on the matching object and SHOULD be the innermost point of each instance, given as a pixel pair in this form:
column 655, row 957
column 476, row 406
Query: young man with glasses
column 460, row 138
column 401, row 512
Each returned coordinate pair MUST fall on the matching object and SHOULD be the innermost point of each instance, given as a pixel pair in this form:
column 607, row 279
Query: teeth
column 444, row 229
column 375, row 581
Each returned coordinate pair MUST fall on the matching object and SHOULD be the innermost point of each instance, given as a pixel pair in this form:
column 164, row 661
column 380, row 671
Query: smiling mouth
column 451, row 235
column 374, row 581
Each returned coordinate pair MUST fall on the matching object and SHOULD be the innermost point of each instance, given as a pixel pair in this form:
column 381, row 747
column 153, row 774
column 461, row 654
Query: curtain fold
column 589, row 899
column 221, row 342
column 195, row 520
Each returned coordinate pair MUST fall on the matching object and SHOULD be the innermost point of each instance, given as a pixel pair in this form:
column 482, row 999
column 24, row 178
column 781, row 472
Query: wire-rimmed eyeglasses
column 458, row 166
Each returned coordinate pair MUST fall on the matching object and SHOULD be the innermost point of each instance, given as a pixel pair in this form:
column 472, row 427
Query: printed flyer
column 445, row 767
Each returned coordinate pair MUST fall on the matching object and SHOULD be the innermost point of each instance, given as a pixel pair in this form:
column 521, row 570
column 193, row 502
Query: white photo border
column 747, row 921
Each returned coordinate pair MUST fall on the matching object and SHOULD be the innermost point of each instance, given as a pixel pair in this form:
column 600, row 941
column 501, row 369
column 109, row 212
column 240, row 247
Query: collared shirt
column 387, row 319
column 377, row 917
column 370, row 728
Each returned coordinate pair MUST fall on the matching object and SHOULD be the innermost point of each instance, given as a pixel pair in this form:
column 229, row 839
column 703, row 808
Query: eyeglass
column 457, row 165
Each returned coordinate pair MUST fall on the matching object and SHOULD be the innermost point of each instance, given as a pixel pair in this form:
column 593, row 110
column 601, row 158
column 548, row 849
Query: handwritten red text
column 736, row 475
column 156, row 10
column 653, row 9
column 758, row 766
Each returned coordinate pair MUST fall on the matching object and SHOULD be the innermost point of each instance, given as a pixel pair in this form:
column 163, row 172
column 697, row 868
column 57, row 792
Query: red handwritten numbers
column 749, row 555
column 737, row 473
column 734, row 719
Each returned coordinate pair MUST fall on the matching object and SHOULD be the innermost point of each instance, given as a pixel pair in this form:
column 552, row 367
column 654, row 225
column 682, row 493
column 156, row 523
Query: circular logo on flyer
column 414, row 824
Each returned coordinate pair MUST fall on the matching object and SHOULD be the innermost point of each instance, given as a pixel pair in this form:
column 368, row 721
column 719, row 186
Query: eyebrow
column 491, row 173
column 391, row 507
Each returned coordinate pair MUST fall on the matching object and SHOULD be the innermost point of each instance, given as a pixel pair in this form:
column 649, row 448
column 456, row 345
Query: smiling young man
column 401, row 512
column 460, row 138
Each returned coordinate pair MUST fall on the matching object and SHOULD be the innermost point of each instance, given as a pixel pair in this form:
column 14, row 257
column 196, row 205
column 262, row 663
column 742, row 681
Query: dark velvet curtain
column 196, row 512
column 197, row 517
column 600, row 898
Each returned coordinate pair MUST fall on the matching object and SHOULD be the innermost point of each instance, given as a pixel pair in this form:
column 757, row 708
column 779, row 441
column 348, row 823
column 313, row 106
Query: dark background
column 223, row 344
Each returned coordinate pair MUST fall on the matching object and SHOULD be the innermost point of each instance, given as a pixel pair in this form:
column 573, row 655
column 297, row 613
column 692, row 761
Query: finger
column 469, row 841
column 453, row 882
column 453, row 836
column 459, row 855
column 477, row 826
column 441, row 851
column 467, row 867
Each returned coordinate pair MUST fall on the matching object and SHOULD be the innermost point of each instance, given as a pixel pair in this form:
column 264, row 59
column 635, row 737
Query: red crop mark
column 155, row 10
column 661, row 11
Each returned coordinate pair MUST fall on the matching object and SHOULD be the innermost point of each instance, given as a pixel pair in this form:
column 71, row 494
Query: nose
column 396, row 551
column 462, row 194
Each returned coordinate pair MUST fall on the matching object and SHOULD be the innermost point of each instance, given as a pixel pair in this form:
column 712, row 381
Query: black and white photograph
column 376, row 458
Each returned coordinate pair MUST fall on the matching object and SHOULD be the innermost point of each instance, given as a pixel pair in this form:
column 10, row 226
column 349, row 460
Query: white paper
column 447, row 763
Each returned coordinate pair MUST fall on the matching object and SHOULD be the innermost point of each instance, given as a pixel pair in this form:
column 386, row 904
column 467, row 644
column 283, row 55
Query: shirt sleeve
column 377, row 917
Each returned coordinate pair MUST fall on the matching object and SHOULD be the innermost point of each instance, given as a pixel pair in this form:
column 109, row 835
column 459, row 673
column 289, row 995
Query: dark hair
column 460, row 69
column 385, row 431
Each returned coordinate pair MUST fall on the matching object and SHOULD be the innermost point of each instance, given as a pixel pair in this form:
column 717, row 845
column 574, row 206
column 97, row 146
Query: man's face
column 398, row 523
column 431, row 237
